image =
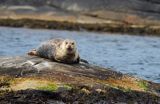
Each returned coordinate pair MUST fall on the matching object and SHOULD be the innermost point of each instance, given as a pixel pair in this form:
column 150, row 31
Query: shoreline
column 112, row 27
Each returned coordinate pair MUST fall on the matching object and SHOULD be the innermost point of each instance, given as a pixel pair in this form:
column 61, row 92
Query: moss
column 124, row 89
column 128, row 90
column 53, row 87
column 67, row 87
column 48, row 87
column 143, row 85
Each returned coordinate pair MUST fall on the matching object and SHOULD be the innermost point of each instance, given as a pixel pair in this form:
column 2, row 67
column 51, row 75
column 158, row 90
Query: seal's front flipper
column 84, row 61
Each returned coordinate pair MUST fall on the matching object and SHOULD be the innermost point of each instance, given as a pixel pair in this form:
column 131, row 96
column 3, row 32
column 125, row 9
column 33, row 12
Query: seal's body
column 60, row 50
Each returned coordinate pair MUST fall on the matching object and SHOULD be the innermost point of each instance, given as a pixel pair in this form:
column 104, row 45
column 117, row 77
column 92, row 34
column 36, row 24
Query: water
column 135, row 55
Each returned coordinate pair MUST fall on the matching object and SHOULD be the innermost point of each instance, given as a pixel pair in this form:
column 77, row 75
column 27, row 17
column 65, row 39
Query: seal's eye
column 73, row 43
column 66, row 42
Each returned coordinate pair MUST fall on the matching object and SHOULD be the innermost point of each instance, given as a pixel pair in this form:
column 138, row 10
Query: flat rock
column 23, row 79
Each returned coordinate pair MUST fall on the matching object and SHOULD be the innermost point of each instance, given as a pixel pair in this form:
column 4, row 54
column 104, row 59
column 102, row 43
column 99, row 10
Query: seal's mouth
column 69, row 49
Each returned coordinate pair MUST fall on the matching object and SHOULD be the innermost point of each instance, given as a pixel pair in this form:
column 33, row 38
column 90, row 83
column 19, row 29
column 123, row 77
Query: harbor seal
column 60, row 50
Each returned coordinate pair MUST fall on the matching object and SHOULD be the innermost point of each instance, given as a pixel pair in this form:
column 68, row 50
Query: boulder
column 28, row 79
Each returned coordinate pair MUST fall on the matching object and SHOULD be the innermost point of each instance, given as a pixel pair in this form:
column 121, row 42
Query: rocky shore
column 97, row 27
column 33, row 80
column 133, row 17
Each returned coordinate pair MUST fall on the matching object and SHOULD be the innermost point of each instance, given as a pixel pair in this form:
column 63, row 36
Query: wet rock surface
column 34, row 80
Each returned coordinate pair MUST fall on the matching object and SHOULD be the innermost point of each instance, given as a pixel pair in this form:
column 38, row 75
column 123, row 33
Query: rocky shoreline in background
column 96, row 27
column 138, row 17
column 34, row 80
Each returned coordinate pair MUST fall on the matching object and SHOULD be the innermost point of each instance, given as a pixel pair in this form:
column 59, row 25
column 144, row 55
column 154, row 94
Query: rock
column 26, row 79
column 145, row 8
column 127, row 16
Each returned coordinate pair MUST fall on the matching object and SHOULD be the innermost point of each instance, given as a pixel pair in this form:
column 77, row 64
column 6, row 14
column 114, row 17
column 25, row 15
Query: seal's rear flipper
column 32, row 52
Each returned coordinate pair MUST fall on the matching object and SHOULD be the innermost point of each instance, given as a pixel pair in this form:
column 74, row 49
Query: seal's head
column 69, row 46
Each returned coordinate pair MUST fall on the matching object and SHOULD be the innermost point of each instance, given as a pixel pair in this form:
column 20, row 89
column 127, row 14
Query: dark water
column 135, row 55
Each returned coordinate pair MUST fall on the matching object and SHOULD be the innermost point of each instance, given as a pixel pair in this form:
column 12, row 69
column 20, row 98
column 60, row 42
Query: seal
column 60, row 50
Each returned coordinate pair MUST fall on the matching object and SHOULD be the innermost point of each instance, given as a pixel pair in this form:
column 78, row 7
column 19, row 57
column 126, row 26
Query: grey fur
column 48, row 49
column 52, row 50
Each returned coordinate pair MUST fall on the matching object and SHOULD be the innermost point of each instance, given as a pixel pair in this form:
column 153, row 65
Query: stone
column 24, row 79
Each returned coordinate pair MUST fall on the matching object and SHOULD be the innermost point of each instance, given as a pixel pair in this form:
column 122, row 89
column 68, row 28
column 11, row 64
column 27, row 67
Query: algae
column 143, row 85
column 49, row 87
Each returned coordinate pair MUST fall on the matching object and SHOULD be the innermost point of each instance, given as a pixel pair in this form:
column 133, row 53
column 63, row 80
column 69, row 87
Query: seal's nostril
column 69, row 46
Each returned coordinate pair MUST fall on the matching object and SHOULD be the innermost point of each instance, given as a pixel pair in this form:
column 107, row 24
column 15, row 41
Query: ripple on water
column 129, row 54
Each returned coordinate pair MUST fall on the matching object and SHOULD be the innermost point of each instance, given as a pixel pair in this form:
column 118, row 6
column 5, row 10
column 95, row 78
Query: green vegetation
column 68, row 87
column 53, row 87
column 123, row 89
column 48, row 87
column 143, row 85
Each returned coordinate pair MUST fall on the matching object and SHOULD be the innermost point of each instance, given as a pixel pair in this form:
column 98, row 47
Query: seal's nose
column 69, row 48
